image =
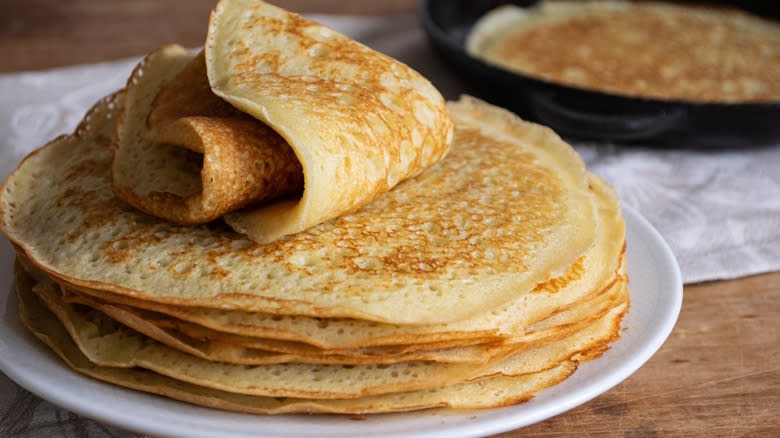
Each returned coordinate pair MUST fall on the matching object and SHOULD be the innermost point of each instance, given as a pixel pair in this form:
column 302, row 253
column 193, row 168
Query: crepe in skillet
column 657, row 50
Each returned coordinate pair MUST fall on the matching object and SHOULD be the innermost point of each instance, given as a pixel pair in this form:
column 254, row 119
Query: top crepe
column 293, row 113
column 507, row 209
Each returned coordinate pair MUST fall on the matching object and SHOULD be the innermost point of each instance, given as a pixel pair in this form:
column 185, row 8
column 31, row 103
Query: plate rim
column 500, row 419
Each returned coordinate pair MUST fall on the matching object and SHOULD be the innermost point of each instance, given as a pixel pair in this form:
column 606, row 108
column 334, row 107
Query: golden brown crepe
column 220, row 158
column 649, row 49
column 108, row 352
column 281, row 115
column 509, row 208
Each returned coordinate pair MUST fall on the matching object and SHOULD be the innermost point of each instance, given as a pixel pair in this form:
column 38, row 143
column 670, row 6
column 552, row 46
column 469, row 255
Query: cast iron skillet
column 592, row 115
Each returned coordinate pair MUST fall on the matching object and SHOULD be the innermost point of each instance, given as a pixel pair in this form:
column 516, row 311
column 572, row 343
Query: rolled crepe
column 280, row 125
column 235, row 159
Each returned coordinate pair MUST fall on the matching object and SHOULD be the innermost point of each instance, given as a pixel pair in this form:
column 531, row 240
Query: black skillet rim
column 440, row 36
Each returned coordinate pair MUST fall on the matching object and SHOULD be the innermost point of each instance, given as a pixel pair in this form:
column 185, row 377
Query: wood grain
column 717, row 375
column 38, row 34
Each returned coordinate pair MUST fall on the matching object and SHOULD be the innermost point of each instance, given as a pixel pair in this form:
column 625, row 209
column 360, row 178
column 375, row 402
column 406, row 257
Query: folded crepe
column 279, row 124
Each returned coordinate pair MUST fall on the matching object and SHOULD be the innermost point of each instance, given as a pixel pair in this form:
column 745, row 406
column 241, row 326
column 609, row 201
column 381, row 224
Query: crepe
column 509, row 208
column 591, row 273
column 485, row 393
column 322, row 125
column 128, row 349
column 185, row 155
column 212, row 345
column 648, row 49
column 108, row 344
column 482, row 335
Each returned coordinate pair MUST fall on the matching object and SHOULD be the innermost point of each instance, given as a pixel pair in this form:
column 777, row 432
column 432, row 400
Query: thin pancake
column 216, row 346
column 359, row 121
column 323, row 119
column 482, row 394
column 185, row 155
column 106, row 345
column 507, row 209
column 649, row 49
column 588, row 275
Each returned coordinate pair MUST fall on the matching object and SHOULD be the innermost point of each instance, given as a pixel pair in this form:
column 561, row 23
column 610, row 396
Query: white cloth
column 719, row 210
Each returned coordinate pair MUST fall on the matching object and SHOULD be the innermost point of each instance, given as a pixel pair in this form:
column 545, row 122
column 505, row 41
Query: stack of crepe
column 288, row 222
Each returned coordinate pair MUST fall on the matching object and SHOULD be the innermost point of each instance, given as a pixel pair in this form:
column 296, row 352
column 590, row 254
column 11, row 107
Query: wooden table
column 717, row 375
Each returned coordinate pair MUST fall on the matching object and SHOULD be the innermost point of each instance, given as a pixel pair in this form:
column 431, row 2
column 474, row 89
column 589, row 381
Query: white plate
column 656, row 296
